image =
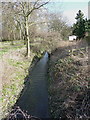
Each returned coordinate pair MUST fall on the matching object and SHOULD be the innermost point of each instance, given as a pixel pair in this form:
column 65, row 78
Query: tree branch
column 32, row 23
column 34, row 8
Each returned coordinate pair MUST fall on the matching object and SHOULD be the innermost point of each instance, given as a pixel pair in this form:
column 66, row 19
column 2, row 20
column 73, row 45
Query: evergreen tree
column 79, row 26
column 87, row 25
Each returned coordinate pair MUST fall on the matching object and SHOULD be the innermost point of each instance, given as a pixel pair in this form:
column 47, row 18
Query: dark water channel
column 34, row 98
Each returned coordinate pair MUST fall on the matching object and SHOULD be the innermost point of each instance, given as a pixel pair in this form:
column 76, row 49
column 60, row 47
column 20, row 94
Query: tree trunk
column 8, row 36
column 20, row 34
column 24, row 36
column 14, row 36
column 27, row 38
column 12, row 42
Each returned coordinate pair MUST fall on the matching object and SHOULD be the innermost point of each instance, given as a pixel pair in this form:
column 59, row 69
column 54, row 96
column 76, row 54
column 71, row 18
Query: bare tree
column 7, row 21
column 57, row 24
column 25, row 10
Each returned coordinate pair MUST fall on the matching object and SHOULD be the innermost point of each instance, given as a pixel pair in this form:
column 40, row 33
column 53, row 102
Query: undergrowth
column 69, row 87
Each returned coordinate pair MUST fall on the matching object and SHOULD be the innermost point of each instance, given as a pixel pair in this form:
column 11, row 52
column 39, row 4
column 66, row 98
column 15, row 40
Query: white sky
column 50, row 0
column 69, row 0
column 69, row 8
column 70, row 13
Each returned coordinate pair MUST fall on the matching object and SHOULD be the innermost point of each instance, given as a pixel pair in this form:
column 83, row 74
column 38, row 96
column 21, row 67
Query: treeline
column 15, row 15
column 27, row 20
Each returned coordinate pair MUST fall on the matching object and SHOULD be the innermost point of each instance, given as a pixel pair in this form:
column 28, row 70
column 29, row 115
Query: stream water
column 34, row 98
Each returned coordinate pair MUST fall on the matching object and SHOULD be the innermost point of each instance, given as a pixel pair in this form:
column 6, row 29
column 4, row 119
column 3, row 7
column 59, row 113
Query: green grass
column 14, row 83
column 10, row 94
column 3, row 51
column 12, row 89
column 6, row 46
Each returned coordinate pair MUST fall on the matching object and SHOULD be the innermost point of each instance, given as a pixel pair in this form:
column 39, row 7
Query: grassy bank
column 15, row 69
column 69, row 83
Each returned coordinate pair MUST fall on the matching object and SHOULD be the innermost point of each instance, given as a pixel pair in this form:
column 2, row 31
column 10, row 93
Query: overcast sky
column 69, row 8
column 69, row 0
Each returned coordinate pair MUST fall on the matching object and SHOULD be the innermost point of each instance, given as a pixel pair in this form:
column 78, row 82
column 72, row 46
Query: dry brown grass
column 69, row 84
